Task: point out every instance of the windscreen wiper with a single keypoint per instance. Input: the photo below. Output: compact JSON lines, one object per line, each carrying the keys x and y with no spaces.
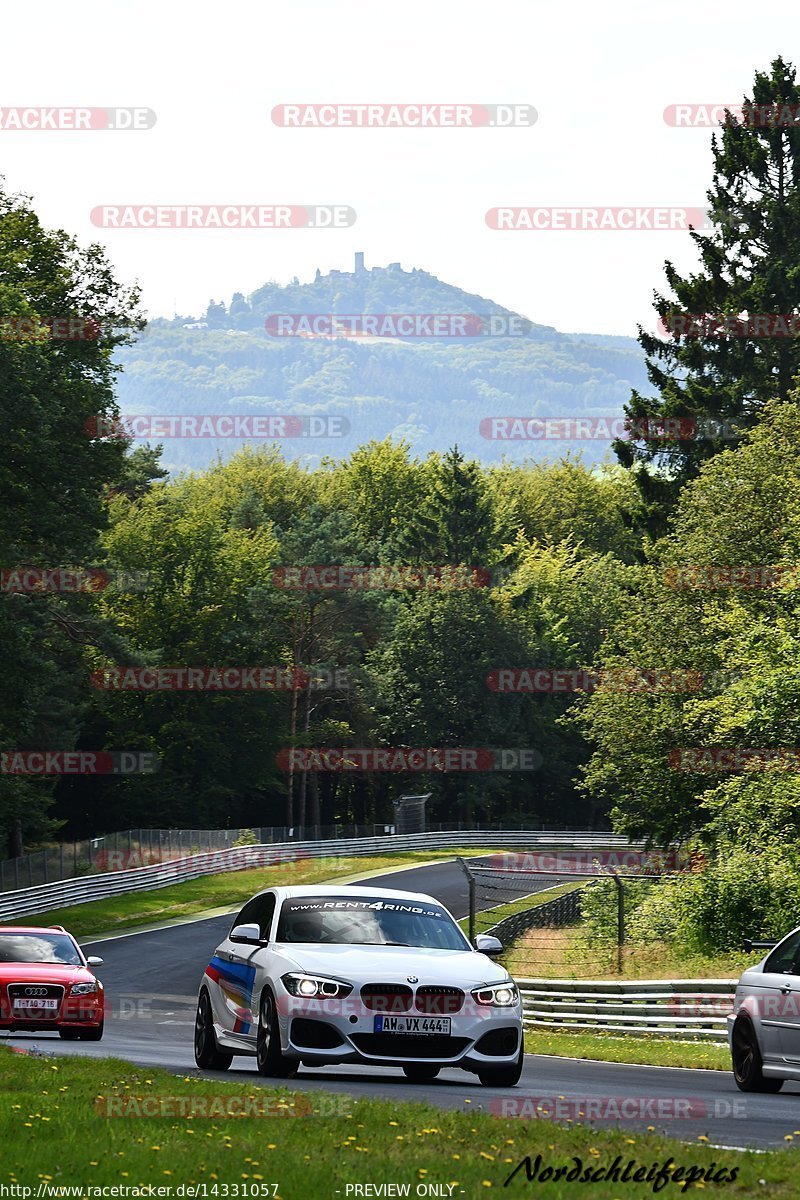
{"x":380,"y":943}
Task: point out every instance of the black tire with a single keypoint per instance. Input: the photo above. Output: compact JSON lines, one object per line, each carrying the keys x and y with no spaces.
{"x":420,"y":1072}
{"x":92,"y":1035}
{"x":69,"y":1035}
{"x":505,"y":1076}
{"x":207,"y":1053}
{"x":747,"y":1061}
{"x":269,"y":1058}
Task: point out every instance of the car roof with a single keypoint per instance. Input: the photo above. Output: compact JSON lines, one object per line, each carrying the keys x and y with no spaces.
{"x":356,"y":889}
{"x":33,"y":929}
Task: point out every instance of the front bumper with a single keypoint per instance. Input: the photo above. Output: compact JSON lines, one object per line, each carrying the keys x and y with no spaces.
{"x":74,"y":1012}
{"x":328,"y":1032}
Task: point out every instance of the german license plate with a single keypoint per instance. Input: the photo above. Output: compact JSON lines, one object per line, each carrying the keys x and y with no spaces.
{"x":385,"y":1024}
{"x":27,"y":1004}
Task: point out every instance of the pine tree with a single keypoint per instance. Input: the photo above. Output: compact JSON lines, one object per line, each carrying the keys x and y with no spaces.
{"x":454,"y":524}
{"x":713,"y":376}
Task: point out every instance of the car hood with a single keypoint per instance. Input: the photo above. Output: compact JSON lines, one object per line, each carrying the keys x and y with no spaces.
{"x":394,"y":964}
{"x":43,"y":973}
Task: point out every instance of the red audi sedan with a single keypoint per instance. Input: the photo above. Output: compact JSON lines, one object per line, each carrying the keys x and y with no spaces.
{"x":46,"y":983}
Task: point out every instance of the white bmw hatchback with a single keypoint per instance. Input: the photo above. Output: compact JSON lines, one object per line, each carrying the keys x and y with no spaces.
{"x":321,"y":975}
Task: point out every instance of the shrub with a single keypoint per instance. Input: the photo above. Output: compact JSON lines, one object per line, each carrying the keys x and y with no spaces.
{"x":247,"y":837}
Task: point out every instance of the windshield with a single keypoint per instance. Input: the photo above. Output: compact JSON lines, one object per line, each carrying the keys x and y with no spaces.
{"x":368,"y":920}
{"x":38,"y":948}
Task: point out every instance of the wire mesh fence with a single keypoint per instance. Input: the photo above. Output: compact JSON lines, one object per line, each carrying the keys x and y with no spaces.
{"x":565,"y":919}
{"x":129,"y":848}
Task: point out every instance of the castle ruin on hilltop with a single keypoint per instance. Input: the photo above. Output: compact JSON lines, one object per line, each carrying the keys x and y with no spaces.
{"x":360,"y":269}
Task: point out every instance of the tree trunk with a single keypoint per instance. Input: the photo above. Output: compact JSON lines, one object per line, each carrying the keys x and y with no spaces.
{"x":292,"y":733}
{"x":15,"y":846}
{"x":301,"y":817}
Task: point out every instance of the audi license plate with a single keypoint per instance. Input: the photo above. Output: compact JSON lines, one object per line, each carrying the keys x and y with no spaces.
{"x":384,"y":1024}
{"x":26,"y":1004}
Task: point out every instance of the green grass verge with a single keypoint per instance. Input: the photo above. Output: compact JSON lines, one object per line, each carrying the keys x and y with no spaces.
{"x":488,"y":917}
{"x":216,"y":891}
{"x":650,"y":1050}
{"x":571,"y":953}
{"x":53,"y":1134}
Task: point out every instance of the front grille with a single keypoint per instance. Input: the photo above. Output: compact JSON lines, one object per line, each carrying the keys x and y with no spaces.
{"x":317,"y":1035}
{"x":387,"y":997}
{"x":32,"y":992}
{"x":405,"y":1046}
{"x":440,"y":1001}
{"x":36,"y":991}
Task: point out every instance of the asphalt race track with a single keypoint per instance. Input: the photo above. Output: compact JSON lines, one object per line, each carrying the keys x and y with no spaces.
{"x":151,"y":981}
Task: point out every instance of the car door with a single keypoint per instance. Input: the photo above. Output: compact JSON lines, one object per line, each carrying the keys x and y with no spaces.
{"x":777,"y":997}
{"x":233,"y":969}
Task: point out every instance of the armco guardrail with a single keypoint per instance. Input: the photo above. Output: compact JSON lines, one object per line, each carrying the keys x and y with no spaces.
{"x":83,"y":889}
{"x":124,"y":849}
{"x":683,"y":1008}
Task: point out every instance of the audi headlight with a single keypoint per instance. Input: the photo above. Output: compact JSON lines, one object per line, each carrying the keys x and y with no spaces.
{"x":83,"y":989}
{"x":498,"y":995}
{"x":315,"y":987}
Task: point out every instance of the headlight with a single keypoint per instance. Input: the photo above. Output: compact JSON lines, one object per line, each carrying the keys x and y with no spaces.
{"x":315,"y":987}
{"x":498,"y":995}
{"x":83,"y":989}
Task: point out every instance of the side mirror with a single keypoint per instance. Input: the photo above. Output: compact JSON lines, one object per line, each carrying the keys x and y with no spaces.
{"x":251,"y":934}
{"x":487,"y":944}
{"x":94,"y":961}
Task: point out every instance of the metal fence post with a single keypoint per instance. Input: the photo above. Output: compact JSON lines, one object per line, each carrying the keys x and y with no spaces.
{"x":471,"y":889}
{"x":620,"y":919}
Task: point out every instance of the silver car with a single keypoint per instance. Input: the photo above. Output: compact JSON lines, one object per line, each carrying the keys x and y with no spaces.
{"x":764,"y":1027}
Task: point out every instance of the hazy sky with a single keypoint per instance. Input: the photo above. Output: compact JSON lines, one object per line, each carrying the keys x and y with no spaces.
{"x":599,"y":76}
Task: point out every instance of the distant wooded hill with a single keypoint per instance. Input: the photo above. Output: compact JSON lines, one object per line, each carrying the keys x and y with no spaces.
{"x":431,"y":391}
